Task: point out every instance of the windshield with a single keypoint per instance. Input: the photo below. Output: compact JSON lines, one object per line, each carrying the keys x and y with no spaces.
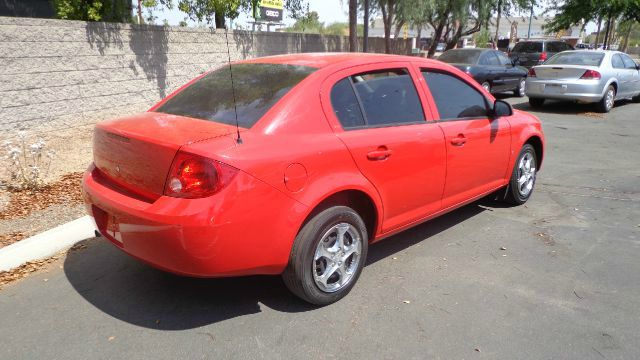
{"x":528,"y":47}
{"x":576,"y":58}
{"x":460,"y":56}
{"x":257,"y":88}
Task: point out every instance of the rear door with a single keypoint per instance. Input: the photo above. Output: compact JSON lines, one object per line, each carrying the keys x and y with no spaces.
{"x":379,"y":115}
{"x":624,"y":76}
{"x":494,"y":69}
{"x":634,"y":74}
{"x":511,"y":74}
{"x":478,"y":147}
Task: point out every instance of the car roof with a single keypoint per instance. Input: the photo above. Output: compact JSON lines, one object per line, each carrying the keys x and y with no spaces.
{"x":321,"y":60}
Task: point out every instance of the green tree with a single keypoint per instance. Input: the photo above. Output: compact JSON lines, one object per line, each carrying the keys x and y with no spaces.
{"x":309,"y":23}
{"x":219,"y":10}
{"x":93,"y":10}
{"x":573,"y":12}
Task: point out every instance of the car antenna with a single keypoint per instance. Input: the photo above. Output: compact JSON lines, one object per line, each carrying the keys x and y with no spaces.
{"x":233,"y":90}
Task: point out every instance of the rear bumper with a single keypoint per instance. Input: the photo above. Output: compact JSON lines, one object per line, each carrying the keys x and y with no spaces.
{"x":578,"y":90}
{"x":247,"y":228}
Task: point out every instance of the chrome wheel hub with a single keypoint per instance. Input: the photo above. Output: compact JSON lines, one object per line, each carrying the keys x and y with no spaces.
{"x":610,"y":98}
{"x":337,"y":257}
{"x":523,"y":85}
{"x":526,"y":174}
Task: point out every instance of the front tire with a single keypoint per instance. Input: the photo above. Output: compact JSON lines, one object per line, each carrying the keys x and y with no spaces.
{"x":523,"y":177}
{"x":606,"y":103}
{"x":520,"y":91}
{"x":327,"y":256}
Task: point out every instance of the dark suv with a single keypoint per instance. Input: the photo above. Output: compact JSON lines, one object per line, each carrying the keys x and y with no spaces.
{"x":534,"y":52}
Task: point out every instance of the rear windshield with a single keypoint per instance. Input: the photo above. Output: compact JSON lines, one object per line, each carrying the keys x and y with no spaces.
{"x":460,"y":56}
{"x":257,"y":88}
{"x":528,"y":47}
{"x":576,"y":58}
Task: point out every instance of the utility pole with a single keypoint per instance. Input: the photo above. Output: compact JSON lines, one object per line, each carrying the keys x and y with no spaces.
{"x":365,"y":35}
{"x":530,"y":19}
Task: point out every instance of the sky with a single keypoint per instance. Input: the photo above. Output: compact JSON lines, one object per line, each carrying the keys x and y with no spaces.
{"x":330,"y":11}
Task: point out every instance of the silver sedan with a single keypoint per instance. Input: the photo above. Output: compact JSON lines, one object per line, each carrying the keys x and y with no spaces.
{"x":600,"y":77}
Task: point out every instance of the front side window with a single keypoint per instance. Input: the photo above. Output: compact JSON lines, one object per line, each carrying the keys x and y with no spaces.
{"x":504,"y":60}
{"x":488,"y":58}
{"x":256,"y":88}
{"x":454,"y":98}
{"x":628,"y":62}
{"x":387,"y":97}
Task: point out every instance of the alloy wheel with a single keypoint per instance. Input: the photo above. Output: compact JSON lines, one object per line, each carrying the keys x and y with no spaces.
{"x":337,"y":257}
{"x":526,"y":174}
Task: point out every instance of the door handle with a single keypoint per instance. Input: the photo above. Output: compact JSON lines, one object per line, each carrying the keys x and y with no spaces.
{"x":459,"y":140}
{"x":381,"y":154}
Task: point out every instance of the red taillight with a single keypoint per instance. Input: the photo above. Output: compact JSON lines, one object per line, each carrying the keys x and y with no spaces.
{"x":532,"y":73}
{"x":591,"y":75}
{"x":193,"y":176}
{"x":543,"y":57}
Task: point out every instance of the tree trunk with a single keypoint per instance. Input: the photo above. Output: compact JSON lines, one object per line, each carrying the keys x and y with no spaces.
{"x":437,"y":33}
{"x":387,"y":19}
{"x":365,"y":35}
{"x":353,"y":25}
{"x":139,"y":11}
{"x":599,"y":28}
{"x":606,"y":34}
{"x":220,"y":22}
{"x":419,"y":43}
{"x":625,"y":45}
{"x":496,"y":37}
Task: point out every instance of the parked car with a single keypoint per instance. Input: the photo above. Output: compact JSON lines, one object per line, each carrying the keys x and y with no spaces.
{"x":598,"y":76}
{"x":583,"y":46}
{"x":332,"y":152}
{"x":535,"y":52}
{"x":490,"y":68}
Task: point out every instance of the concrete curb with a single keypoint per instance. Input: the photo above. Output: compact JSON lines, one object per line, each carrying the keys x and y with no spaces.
{"x":46,"y":244}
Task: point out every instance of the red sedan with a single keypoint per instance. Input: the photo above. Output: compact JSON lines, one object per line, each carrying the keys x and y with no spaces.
{"x":295,"y":164}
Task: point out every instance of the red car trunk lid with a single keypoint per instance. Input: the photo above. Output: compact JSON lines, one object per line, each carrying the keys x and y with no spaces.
{"x":136,"y":152}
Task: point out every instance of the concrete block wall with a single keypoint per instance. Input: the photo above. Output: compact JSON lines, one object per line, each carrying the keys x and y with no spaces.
{"x":58,"y":77}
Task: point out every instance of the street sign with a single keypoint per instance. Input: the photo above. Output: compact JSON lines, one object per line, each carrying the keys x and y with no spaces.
{"x":269,"y":10}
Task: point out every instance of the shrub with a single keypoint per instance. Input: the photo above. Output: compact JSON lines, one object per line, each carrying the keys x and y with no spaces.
{"x":27,"y":162}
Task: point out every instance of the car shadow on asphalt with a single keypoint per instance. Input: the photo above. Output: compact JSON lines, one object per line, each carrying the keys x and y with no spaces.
{"x":566,"y":107}
{"x":138,"y":294}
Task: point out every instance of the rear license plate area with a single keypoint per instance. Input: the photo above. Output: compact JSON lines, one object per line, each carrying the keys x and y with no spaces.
{"x":108,"y":225}
{"x":555,"y":88}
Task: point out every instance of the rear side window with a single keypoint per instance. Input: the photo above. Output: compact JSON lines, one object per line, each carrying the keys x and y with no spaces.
{"x":528,"y":47}
{"x":588,"y":58}
{"x":504,"y":60}
{"x":454,"y":98}
{"x":387,"y":97}
{"x":345,"y":104}
{"x":256,"y":88}
{"x":616,"y":61}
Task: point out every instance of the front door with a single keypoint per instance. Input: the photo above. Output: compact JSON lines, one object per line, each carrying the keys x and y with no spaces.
{"x":384,"y":127}
{"x":478,"y":147}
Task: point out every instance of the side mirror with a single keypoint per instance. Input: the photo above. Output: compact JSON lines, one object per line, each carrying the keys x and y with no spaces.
{"x":502,"y":108}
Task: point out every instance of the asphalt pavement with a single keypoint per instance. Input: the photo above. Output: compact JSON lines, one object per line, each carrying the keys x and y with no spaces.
{"x":566,"y":287}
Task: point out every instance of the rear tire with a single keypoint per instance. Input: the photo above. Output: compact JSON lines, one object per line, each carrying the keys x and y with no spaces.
{"x":523,"y":177}
{"x":536,"y":102}
{"x":606,"y":103}
{"x":320,"y":271}
{"x":520,"y":91}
